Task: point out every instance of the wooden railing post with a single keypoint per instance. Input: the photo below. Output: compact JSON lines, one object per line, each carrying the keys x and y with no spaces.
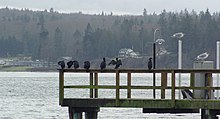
{"x":173,"y":88}
{"x":192,"y":82}
{"x":96,"y":84}
{"x":61,"y":86}
{"x":209,"y":84}
{"x":117,"y":87}
{"x":91,"y":84}
{"x":129,"y":85}
{"x":163,"y":84}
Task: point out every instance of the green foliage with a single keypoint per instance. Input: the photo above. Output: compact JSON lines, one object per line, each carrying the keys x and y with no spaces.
{"x":10,"y":47}
{"x":51,"y":35}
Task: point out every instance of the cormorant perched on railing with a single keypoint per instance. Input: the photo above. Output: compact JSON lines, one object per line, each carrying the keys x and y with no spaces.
{"x":113,"y":62}
{"x":87,"y":65}
{"x":103,"y":64}
{"x":118,"y":63}
{"x":150,"y":63}
{"x":62,"y":64}
{"x":75,"y":64}
{"x":69,"y":64}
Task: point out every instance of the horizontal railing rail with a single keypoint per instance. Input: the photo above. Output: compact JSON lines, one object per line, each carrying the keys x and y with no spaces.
{"x":142,"y":70}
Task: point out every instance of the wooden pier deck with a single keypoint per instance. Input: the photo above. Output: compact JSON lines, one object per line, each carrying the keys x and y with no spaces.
{"x":91,"y":105}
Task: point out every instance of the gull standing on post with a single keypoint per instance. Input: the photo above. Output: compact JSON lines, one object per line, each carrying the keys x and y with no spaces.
{"x":177,"y":35}
{"x":202,"y":56}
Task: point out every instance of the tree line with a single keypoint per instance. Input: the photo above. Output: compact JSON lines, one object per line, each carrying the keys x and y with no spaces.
{"x":50,"y":35}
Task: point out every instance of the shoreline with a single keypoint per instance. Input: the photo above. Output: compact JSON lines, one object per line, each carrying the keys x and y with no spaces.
{"x":27,"y":69}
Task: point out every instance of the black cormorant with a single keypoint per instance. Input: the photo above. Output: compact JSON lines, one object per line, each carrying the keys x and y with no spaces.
{"x":62,"y":64}
{"x":87,"y":65}
{"x":150,"y":63}
{"x":118,"y":63}
{"x":75,"y":64}
{"x":69,"y":64}
{"x":103,"y":64}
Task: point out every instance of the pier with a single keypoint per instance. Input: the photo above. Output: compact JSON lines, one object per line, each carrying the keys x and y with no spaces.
{"x":91,"y":105}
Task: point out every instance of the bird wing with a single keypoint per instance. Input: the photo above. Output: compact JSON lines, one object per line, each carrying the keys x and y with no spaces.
{"x":113,"y":62}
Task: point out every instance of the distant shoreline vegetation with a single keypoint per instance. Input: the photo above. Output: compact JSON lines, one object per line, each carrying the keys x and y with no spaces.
{"x":27,"y":69}
{"x":49,"y":35}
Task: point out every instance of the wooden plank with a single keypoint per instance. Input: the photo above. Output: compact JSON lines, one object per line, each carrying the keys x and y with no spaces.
{"x":143,"y":70}
{"x":163,"y":84}
{"x":91,"y":84}
{"x":61,"y":87}
{"x":173,"y":89}
{"x":169,"y":110}
{"x":209,"y":83}
{"x":154,"y":84}
{"x":129,"y":85}
{"x":93,"y":87}
{"x":142,"y":103}
{"x":121,"y":87}
{"x":117,"y":87}
{"x":137,"y":87}
{"x":96,"y":84}
{"x":192,"y":82}
{"x":111,"y":102}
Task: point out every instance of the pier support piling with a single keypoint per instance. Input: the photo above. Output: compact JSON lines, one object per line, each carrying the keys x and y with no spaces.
{"x":209,"y":114}
{"x":91,"y":115}
{"x":74,"y":114}
{"x":90,"y":112}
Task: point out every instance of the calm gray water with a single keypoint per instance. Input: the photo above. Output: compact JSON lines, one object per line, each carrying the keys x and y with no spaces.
{"x":31,"y":95}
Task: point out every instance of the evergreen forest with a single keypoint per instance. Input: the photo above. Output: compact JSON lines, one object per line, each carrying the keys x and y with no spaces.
{"x":50,"y":35}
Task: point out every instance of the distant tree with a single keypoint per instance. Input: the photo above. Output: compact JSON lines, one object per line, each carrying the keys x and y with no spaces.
{"x":3,"y":18}
{"x":26,"y":18}
{"x":141,"y":40}
{"x":102,"y":13}
{"x":25,"y":38}
{"x":51,"y":10}
{"x":41,"y":21}
{"x":78,"y":48}
{"x":10,"y":46}
{"x":111,"y":14}
{"x":125,"y":41}
{"x":163,"y":22}
{"x":77,"y":35}
{"x":42,"y":52}
{"x":88,"y":42}
{"x":145,"y":12}
{"x":58,"y":46}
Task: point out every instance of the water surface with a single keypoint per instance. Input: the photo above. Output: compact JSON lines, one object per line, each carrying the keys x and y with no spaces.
{"x":34,"y":95}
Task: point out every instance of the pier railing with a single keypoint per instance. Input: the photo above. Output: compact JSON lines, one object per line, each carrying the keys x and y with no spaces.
{"x":94,"y":86}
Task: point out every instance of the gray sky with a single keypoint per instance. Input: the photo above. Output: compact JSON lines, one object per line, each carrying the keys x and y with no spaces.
{"x":116,"y":6}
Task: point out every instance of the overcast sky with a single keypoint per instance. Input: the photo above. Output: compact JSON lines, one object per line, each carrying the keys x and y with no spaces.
{"x":116,"y":6}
